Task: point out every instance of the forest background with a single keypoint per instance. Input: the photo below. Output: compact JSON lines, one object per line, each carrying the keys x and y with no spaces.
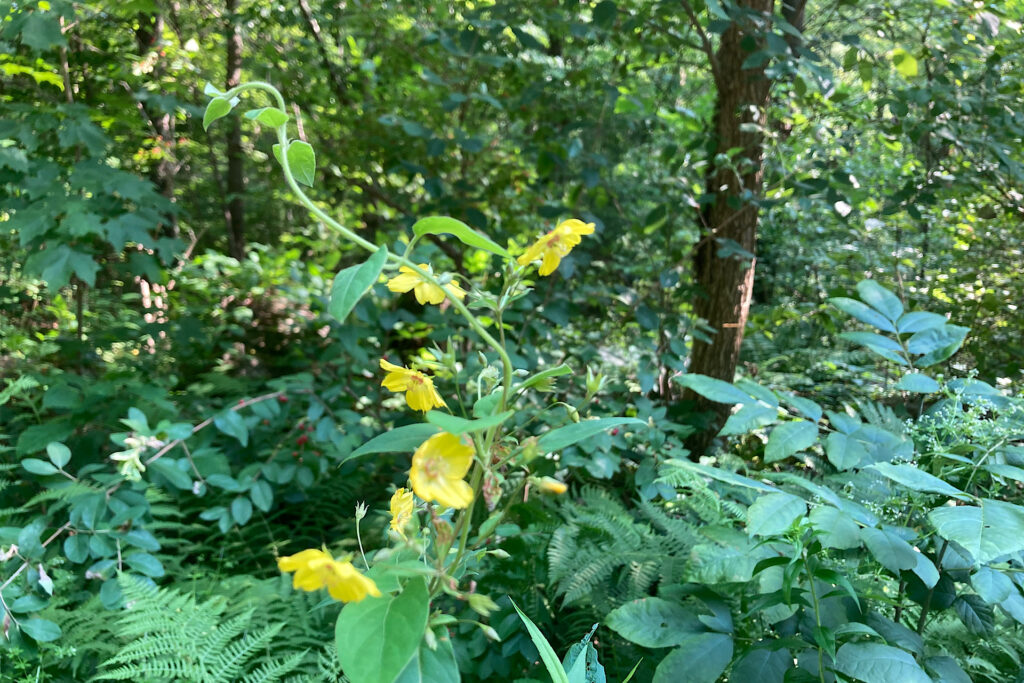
{"x":746,"y":165}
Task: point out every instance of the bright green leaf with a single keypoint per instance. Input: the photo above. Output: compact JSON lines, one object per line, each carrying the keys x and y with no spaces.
{"x":352,"y":283}
{"x":218,"y":108}
{"x":440,"y":225}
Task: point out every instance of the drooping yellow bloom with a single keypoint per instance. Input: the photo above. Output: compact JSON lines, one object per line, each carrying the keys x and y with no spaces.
{"x":439,"y":466}
{"x":426,"y":292}
{"x":554,"y":246}
{"x":419,"y":389}
{"x":401,"y":510}
{"x":315,"y":569}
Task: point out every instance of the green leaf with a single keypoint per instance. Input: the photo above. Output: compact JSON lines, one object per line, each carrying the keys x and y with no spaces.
{"x":218,"y":108}
{"x":76,"y":548}
{"x":807,"y":407}
{"x":140,"y":538}
{"x":946,"y":670}
{"x":38,"y":466}
{"x":241,"y":510}
{"x":917,"y":383}
{"x":789,"y":438}
{"x":41,"y":630}
{"x":456,"y":425}
{"x":378,"y":637}
{"x":876,"y":663}
{"x":169,"y":469}
{"x":917,"y":480}
{"x":992,"y":585}
{"x":232,"y":424}
{"x":58,"y":453}
{"x":844,"y":451}
{"x":557,"y":371}
{"x":210,"y":90}
{"x":714,"y":389}
{"x":270,"y":116}
{"x":562,"y":437}
{"x":891,"y":551}
{"x":301,"y":161}
{"x":919,"y":320}
{"x":547,"y":655}
{"x":724,"y":476}
{"x":988,"y":531}
{"x":262,"y":495}
{"x":144,"y":563}
{"x":863,"y":313}
{"x":404,"y":439}
{"x":880,"y":299}
{"x":432,"y":666}
{"x":352,"y":283}
{"x":905,"y":64}
{"x":762,"y":665}
{"x":748,"y":418}
{"x":653,"y":622}
{"x":56,"y":265}
{"x":28,"y":603}
{"x":871,"y":340}
{"x":774,"y":514}
{"x":937,"y":343}
{"x":441,"y":225}
{"x":978,"y":617}
{"x":700,"y":658}
{"x":835,"y":528}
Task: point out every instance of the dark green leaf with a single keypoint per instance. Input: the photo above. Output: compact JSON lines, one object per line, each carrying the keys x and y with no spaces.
{"x":404,"y":439}
{"x":41,"y":630}
{"x":653,"y":622}
{"x":700,"y":658}
{"x":714,"y":389}
{"x":560,"y":438}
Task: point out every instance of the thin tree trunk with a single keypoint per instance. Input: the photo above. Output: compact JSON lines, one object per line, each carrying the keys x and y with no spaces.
{"x":235,"y":208}
{"x":726,"y":281}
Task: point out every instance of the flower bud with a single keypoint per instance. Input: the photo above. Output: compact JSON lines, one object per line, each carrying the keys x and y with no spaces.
{"x":490,"y":633}
{"x":499,"y":553}
{"x":430,"y":639}
{"x":481,"y":604}
{"x":360,"y":511}
{"x":550,"y":485}
{"x":595,"y":382}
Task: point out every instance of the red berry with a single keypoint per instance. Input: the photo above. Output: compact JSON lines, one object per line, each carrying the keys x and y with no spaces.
{"x":282,"y":399}
{"x":615,"y":431}
{"x":301,"y":440}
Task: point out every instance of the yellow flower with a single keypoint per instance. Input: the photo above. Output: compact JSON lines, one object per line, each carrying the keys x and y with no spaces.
{"x":426,"y":292}
{"x":554,"y":246}
{"x":549,"y":485}
{"x":419,"y":389}
{"x":438,"y":468}
{"x":401,"y":510}
{"x":315,"y":569}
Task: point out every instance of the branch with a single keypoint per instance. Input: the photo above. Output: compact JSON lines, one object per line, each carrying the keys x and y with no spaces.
{"x":705,"y":41}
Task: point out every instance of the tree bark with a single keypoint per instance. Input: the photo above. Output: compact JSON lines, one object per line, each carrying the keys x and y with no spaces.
{"x":234,"y":210}
{"x":726,"y":280}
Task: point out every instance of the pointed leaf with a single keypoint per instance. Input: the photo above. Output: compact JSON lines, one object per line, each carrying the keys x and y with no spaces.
{"x":653,"y":622}
{"x":772,"y":515}
{"x":714,"y":389}
{"x":352,"y":283}
{"x":404,"y":439}
{"x":460,"y":425}
{"x":862,"y":312}
{"x":876,"y":663}
{"x":560,"y":438}
{"x":789,"y":438}
{"x":442,"y":225}
{"x":880,"y":299}
{"x":218,"y":108}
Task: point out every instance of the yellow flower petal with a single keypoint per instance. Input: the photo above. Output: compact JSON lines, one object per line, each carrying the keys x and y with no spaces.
{"x":315,"y":569}
{"x":438,"y":468}
{"x":420,"y":392}
{"x":555,"y":245}
{"x":426,"y":292}
{"x":401,"y":510}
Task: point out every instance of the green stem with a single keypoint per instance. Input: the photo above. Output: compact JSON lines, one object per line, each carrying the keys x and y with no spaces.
{"x":817,"y":614}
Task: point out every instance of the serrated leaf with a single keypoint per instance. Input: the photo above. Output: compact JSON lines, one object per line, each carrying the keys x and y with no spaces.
{"x":218,"y":108}
{"x":352,"y":283}
{"x":789,"y":438}
{"x":978,"y":617}
{"x":443,"y":225}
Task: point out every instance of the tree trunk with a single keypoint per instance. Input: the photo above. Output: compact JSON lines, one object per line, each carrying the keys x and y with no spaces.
{"x":724,"y":274}
{"x":234,"y":210}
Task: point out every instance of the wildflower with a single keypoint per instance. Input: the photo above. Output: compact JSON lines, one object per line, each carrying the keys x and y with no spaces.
{"x":426,"y":292}
{"x":549,"y":485}
{"x":131,"y":467}
{"x":401,"y":510}
{"x":315,"y":569}
{"x":438,"y":468}
{"x":554,"y":246}
{"x":419,"y":389}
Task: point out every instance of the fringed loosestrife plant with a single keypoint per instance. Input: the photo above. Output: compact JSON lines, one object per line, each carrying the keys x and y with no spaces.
{"x":437,"y":529}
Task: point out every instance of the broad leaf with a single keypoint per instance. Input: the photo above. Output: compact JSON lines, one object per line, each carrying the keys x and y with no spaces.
{"x":891,"y":551}
{"x":653,"y":622}
{"x":992,"y":585}
{"x":41,"y":630}
{"x":789,"y":438}
{"x":58,"y":453}
{"x":748,"y":418}
{"x":270,"y":116}
{"x":714,"y":389}
{"x":453,"y":424}
{"x":560,"y":438}
{"x":700,"y":658}
{"x":844,"y":451}
{"x":404,"y":439}
{"x":876,"y":663}
{"x":863,"y":313}
{"x":835,"y":528}
{"x":432,"y":665}
{"x":917,"y":383}
{"x":762,"y":665}
{"x":376,"y":638}
{"x":918,"y":480}
{"x":218,"y":108}
{"x":988,"y":531}
{"x":301,"y":161}
{"x":936,"y":343}
{"x":919,"y":320}
{"x":975,"y":613}
{"x":440,"y":225}
{"x":772,"y":515}
{"x":352,"y":283}
{"x":880,"y":299}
